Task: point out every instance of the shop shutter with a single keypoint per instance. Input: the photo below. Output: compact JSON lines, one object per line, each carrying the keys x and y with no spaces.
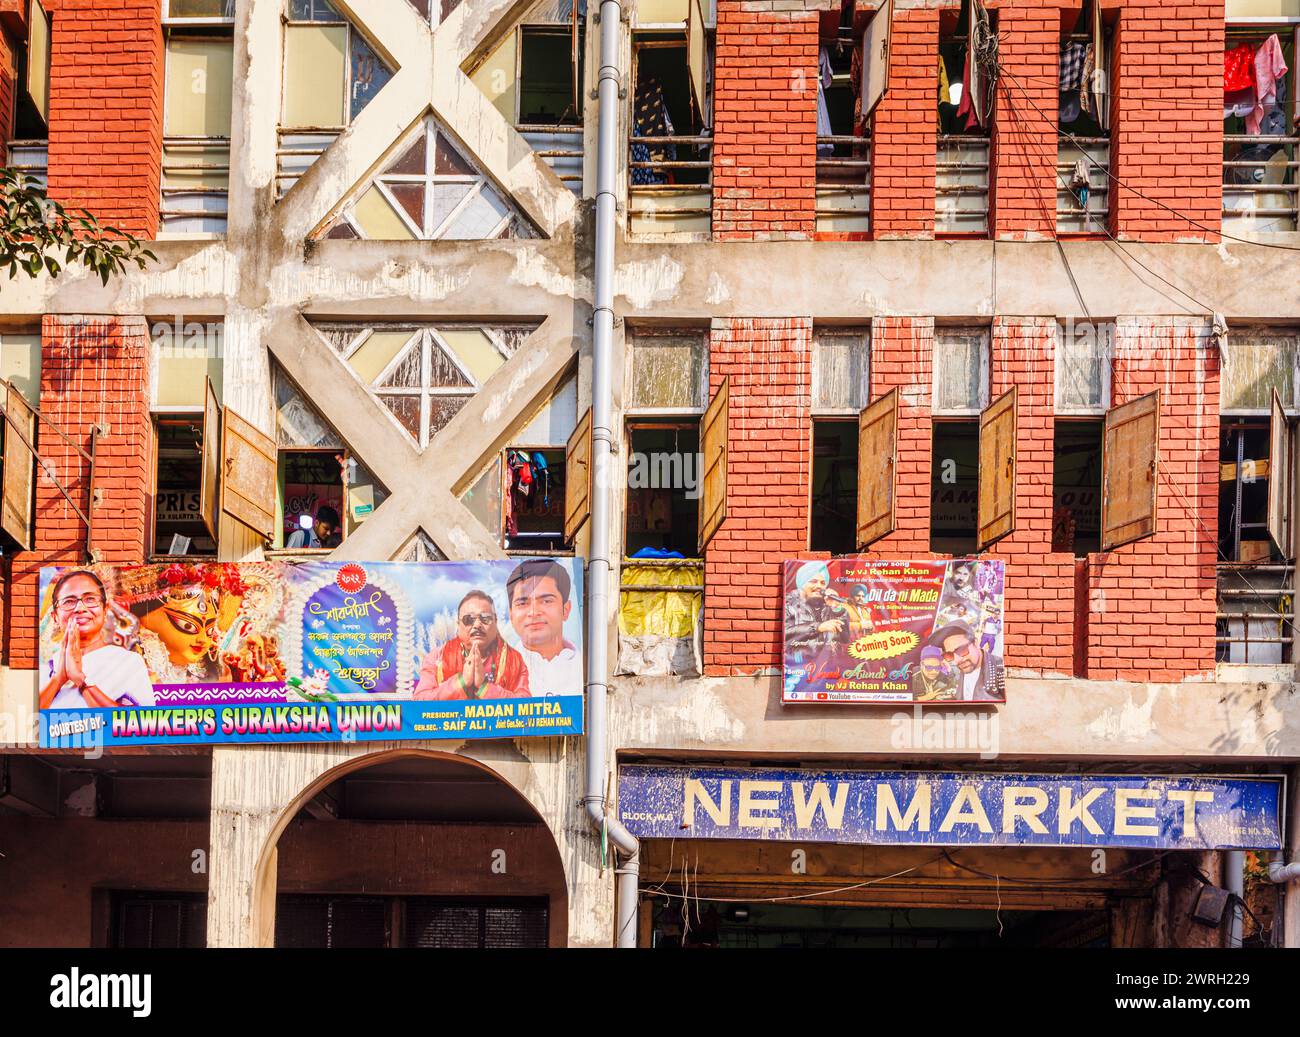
{"x":997,"y":472}
{"x":696,"y":49}
{"x":1281,"y":473}
{"x":158,"y":921}
{"x":248,"y":474}
{"x":1128,"y":481}
{"x":319,"y":923}
{"x":19,"y":467}
{"x":475,"y":925}
{"x":713,"y":460}
{"x":875,"y":58}
{"x":210,"y":479}
{"x":877,"y":468}
{"x":577,"y":477}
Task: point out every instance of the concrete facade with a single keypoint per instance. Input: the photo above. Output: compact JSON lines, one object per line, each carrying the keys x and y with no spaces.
{"x":1154,"y":699}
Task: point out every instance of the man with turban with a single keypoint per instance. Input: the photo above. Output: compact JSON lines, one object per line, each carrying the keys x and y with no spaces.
{"x":812,"y":623}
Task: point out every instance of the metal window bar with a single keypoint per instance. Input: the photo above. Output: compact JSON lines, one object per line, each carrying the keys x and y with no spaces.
{"x":31,"y":157}
{"x":675,"y":204}
{"x":1260,"y":190}
{"x":560,"y":147}
{"x":298,"y":149}
{"x":1255,"y":618}
{"x":961,"y":204}
{"x":843,"y":184}
{"x":1071,"y":216}
{"x":200,"y":206}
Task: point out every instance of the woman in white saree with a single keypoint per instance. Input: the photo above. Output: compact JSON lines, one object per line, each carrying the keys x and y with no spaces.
{"x":88,"y":670}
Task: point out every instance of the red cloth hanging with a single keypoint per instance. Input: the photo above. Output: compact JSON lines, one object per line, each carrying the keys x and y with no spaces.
{"x":1238,"y":68}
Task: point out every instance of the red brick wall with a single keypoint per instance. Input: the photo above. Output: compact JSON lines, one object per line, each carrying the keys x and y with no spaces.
{"x":764,"y":122}
{"x":106,"y":92}
{"x":1039,"y":606}
{"x":902,"y":350}
{"x":1167,"y":121}
{"x":1152,"y":603}
{"x":93,"y":370}
{"x":903,"y":131}
{"x":1023,"y":177}
{"x":769,"y":445}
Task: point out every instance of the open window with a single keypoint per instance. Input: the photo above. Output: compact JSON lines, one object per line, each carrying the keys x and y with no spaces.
{"x":961,"y":392}
{"x":526,"y":495}
{"x":1259,"y":394}
{"x":187,"y":436}
{"x":964,"y":115}
{"x":669,"y":167}
{"x":1083,"y":156}
{"x":31,"y":100}
{"x":852,"y":76}
{"x":841,"y":379}
{"x":1260,"y":186}
{"x":534,"y":77}
{"x":321,"y":493}
{"x":198,"y":81}
{"x":331,"y":72}
{"x":1082,"y":374}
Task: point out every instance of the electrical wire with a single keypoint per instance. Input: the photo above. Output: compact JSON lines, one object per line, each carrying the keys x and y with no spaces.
{"x":1204,"y":228}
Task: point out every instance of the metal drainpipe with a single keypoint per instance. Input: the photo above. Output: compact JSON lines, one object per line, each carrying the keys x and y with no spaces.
{"x":602,"y":393}
{"x":1286,"y":874}
{"x":1234,"y":880}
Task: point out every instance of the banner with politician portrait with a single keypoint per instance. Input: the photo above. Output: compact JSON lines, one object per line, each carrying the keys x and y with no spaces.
{"x":214,"y":652}
{"x":867,"y":630}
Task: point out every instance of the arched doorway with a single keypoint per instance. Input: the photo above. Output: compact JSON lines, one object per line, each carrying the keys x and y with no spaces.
{"x":416,"y":849}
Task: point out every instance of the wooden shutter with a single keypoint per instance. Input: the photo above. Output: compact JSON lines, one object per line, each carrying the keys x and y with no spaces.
{"x":877,"y":468}
{"x":248,"y":474}
{"x":1128,"y":479}
{"x":575,"y":51}
{"x":1100,"y":86}
{"x":713,"y":460}
{"x":19,"y":467}
{"x":973,"y":12}
{"x":577,"y":477}
{"x":696,"y":48}
{"x":875,"y":58}
{"x":997,"y":474}
{"x":210,"y":479}
{"x":38,"y":58}
{"x":1281,"y":469}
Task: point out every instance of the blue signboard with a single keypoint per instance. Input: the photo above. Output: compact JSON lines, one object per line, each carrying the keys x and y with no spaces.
{"x":952,"y":808}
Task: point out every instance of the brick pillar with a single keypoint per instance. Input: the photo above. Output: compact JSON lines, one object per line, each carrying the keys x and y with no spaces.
{"x":1167,"y":121}
{"x":902,"y":350}
{"x":106,"y":96}
{"x":903,"y":130}
{"x":1023,"y":176}
{"x":764,"y":122}
{"x":93,"y":370}
{"x":769,"y":445}
{"x":1039,"y":605}
{"x":1152,"y":602}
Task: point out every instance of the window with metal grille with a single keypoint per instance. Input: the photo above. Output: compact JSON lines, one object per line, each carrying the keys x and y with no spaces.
{"x":158,"y":920}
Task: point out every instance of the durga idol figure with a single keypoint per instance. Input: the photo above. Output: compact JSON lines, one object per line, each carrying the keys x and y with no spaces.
{"x":184,"y":610}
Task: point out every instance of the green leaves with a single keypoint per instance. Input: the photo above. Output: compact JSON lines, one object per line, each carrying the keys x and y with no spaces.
{"x":35,"y":229}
